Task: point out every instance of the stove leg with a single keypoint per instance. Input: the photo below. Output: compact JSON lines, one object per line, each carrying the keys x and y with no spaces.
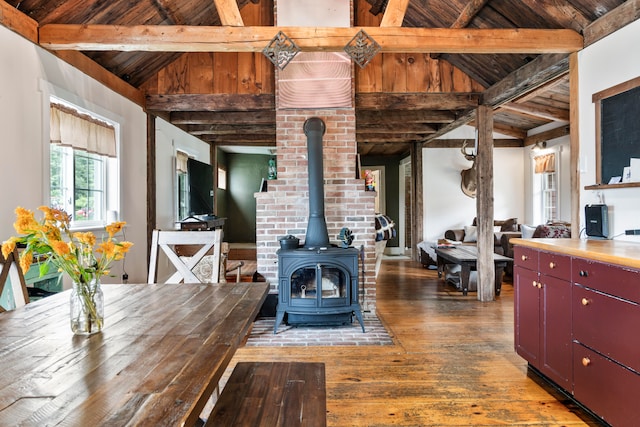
{"x":279,"y":317}
{"x":359,"y":316}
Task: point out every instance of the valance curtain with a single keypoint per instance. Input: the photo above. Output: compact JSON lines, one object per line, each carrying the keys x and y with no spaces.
{"x":181,"y":161}
{"x":545,"y":163}
{"x":71,"y":128}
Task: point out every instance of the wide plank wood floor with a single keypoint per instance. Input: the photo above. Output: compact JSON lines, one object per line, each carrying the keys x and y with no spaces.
{"x":453,"y":362}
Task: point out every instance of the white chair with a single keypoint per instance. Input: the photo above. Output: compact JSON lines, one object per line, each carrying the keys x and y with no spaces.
{"x":207,"y":257}
{"x":18,"y":290}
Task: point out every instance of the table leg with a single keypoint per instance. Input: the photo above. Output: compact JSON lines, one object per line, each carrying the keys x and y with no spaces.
{"x":499,"y":270}
{"x":440,"y":263}
{"x":464,"y":278}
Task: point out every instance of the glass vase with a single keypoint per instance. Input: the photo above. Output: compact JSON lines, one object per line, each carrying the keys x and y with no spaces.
{"x":87,"y":307}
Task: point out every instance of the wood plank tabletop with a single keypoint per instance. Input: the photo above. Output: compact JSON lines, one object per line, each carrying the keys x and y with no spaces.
{"x":466,"y":253}
{"x":159,"y":357}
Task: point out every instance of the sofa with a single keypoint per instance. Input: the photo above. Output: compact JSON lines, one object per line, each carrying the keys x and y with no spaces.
{"x":468,"y":234}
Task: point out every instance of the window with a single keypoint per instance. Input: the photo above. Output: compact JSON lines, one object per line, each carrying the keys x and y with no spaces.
{"x":182,"y":178}
{"x":83,"y":166}
{"x":545,"y":187}
{"x":222,"y":178}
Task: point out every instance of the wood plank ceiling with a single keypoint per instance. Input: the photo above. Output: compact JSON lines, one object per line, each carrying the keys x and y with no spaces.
{"x":408,"y":94}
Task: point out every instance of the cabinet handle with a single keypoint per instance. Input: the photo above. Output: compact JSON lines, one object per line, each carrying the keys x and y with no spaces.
{"x":586,"y":361}
{"x":552,"y":264}
{"x":524,"y":257}
{"x":583,"y":273}
{"x":585,"y":301}
{"x":535,"y":285}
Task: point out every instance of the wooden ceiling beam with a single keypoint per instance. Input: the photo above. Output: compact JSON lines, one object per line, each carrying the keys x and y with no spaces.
{"x":230,"y":129}
{"x":626,"y":13}
{"x":262,"y":117}
{"x":394,"y":117}
{"x":210,"y":102}
{"x":179,"y":38}
{"x":542,"y":111}
{"x":457,"y":143}
{"x":229,"y":13}
{"x":416,"y":101}
{"x":468,"y":13}
{"x":18,"y":22}
{"x":547,"y":135}
{"x":394,"y":13}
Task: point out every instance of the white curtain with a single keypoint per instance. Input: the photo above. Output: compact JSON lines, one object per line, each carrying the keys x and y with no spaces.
{"x":71,"y":128}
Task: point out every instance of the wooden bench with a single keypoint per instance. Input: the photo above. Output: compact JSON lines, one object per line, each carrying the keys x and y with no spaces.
{"x":272,"y":394}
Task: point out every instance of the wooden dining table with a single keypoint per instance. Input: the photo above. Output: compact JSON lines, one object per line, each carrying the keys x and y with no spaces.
{"x":158,"y":359}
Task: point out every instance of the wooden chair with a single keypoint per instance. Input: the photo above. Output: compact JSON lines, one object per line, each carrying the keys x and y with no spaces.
{"x":11,"y":270}
{"x":209,"y":244}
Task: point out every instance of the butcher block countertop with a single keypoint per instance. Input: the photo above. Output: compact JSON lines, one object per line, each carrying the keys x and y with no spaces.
{"x":609,"y":251}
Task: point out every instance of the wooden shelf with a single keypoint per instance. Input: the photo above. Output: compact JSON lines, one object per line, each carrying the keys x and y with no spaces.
{"x":608,"y":186}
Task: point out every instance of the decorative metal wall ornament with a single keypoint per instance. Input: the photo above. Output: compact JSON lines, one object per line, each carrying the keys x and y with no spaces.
{"x":362,"y":48}
{"x":280,"y":50}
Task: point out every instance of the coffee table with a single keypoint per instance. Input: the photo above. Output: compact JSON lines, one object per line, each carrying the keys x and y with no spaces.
{"x":467,"y":257}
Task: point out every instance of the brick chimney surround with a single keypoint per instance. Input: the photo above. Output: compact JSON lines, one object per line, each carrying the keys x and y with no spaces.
{"x":284,"y":208}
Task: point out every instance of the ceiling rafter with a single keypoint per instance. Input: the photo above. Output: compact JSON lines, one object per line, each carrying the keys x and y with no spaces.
{"x":229,"y":13}
{"x":394,"y":13}
{"x":179,"y":38}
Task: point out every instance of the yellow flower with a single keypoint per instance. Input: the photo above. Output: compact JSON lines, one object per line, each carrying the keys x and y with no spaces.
{"x":59,"y":247}
{"x":26,"y":222}
{"x":121,"y":249}
{"x":108,"y":249}
{"x":8,"y":247}
{"x":70,"y":252}
{"x":87,"y":238}
{"x":115,"y":228}
{"x":25,"y":261}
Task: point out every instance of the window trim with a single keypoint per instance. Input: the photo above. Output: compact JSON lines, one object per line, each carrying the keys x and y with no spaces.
{"x":113,"y":208}
{"x":536,"y":190}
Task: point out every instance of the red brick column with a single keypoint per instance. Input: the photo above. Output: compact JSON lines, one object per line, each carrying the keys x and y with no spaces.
{"x":284,"y":208}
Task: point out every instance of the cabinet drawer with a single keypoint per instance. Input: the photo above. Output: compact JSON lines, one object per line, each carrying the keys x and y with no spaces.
{"x":555,"y":265}
{"x":607,"y":324}
{"x":616,"y":280}
{"x":525,"y":257}
{"x":606,"y":388}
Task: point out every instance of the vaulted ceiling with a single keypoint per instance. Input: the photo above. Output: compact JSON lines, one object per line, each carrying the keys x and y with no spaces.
{"x":486,"y":50}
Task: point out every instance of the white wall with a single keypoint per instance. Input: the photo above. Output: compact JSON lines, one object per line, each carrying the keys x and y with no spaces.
{"x":446,"y":207}
{"x":27,"y":73}
{"x":169,"y":139}
{"x":604,"y":64}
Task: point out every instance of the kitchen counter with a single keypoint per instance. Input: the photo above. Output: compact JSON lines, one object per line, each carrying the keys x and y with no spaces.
{"x":610,"y":251}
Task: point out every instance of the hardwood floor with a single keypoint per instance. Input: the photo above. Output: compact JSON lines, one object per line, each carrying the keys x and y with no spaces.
{"x":453,"y":362}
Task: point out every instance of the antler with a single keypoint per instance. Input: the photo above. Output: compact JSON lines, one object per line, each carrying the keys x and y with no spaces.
{"x":468,"y":156}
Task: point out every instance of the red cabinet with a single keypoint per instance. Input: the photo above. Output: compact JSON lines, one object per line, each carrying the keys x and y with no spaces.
{"x":576,"y":321}
{"x":543,"y":312}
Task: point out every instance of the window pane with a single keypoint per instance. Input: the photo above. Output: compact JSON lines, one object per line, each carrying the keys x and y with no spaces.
{"x":183,"y":196}
{"x":89,"y":188}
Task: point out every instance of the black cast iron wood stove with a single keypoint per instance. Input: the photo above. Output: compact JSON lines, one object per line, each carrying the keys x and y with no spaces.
{"x":318,"y":283}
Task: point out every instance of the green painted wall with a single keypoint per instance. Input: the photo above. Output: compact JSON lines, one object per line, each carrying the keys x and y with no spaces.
{"x":238,"y":204}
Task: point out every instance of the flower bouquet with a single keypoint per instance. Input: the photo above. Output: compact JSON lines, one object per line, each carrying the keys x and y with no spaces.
{"x":73,"y":253}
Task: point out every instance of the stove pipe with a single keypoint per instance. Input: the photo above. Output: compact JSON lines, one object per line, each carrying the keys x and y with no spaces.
{"x":317,"y":234}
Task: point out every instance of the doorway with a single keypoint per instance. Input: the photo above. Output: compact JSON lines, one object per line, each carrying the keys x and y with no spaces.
{"x":405,"y":220}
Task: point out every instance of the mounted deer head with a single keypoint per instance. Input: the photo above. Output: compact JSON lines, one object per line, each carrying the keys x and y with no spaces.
{"x":468,"y":183}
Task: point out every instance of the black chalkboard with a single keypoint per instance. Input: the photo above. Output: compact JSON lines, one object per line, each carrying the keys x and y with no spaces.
{"x":620,"y":132}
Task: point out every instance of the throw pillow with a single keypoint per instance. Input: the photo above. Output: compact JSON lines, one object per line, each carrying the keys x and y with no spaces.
{"x":553,"y":231}
{"x":470,"y":233}
{"x":527,"y":231}
{"x":509,"y":225}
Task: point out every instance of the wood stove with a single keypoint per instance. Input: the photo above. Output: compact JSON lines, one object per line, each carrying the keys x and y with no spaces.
{"x":317,"y":283}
